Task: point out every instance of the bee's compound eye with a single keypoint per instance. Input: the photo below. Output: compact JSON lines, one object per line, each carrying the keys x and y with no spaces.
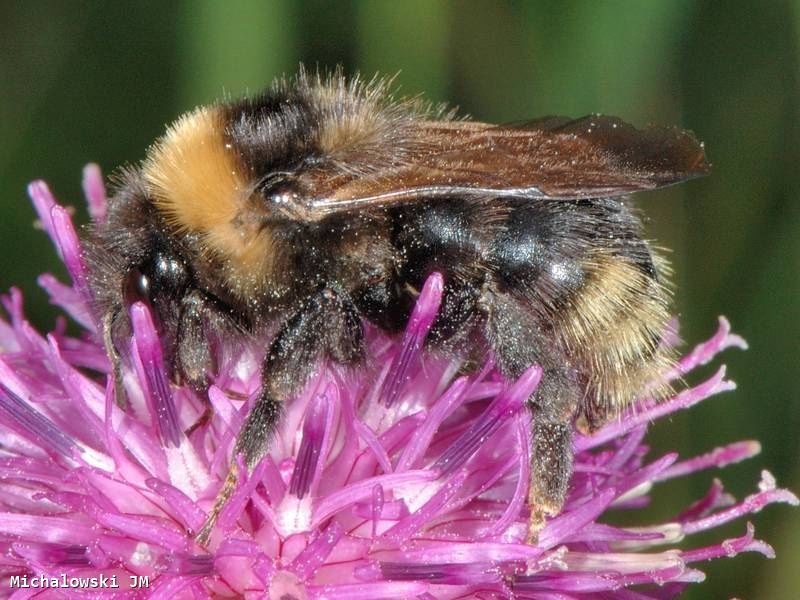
{"x":282,"y":194}
{"x":143,"y":284}
{"x":279,"y":189}
{"x":137,"y":286}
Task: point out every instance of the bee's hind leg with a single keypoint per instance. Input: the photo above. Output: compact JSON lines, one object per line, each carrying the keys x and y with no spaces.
{"x":553,"y":407}
{"x":519,"y":342}
{"x":327,"y":324}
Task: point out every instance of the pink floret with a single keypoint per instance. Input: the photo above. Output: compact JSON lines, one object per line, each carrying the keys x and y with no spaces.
{"x":400,"y":479}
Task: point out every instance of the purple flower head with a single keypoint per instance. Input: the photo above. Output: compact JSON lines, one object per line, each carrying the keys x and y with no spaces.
{"x":402,"y":479}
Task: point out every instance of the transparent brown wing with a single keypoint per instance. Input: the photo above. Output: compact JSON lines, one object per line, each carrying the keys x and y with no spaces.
{"x":554,"y":157}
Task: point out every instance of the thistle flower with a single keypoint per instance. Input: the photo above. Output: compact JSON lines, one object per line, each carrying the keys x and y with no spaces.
{"x":402,"y":479}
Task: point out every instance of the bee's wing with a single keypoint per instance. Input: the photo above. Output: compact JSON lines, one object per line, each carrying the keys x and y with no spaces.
{"x":555,"y":157}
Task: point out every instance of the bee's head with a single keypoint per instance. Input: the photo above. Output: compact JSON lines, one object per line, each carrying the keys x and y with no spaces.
{"x":206,"y":182}
{"x":231,"y":177}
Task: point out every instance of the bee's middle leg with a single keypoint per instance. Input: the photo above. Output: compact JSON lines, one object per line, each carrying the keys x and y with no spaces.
{"x":326,"y":325}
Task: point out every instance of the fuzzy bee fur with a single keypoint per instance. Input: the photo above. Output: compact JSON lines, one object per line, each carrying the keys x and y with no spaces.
{"x":324,"y":203}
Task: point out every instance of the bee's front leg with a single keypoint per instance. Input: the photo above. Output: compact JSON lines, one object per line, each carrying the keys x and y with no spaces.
{"x":327,"y":324}
{"x":193,"y":359}
{"x":108,"y":325}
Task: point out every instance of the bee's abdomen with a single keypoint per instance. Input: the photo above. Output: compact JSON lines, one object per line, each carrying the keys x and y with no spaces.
{"x":536,"y":257}
{"x":577,"y":275}
{"x":588,"y":279}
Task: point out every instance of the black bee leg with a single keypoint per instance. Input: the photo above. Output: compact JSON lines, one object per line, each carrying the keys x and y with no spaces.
{"x":553,"y":407}
{"x":518,"y":342}
{"x":113,"y":355}
{"x":193,"y":359}
{"x":327,"y":325}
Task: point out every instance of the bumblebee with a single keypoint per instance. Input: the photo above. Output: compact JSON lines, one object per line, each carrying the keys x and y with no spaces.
{"x":324,"y":203}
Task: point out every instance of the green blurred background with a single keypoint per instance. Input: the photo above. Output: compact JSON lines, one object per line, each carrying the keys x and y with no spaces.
{"x":94,"y":81}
